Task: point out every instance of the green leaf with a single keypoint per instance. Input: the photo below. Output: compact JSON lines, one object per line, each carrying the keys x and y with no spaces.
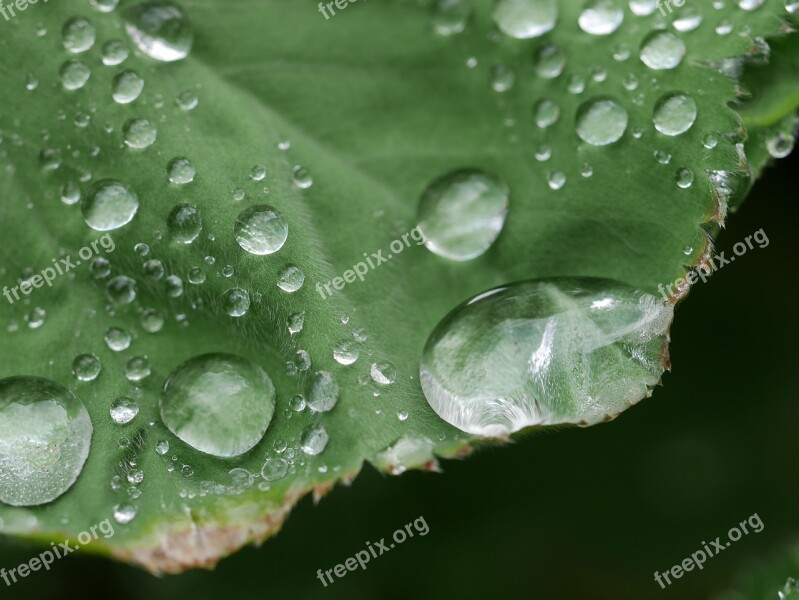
{"x":376,"y":105}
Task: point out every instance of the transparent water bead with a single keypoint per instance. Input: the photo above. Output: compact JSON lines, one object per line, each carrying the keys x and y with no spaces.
{"x":139,"y":133}
{"x":601,"y":121}
{"x":323,"y":392}
{"x":675,"y":113}
{"x":220,"y":404}
{"x":450,"y":16}
{"x":549,"y":61}
{"x":184,"y":223}
{"x":522,"y":19}
{"x":78,"y":35}
{"x":123,"y":410}
{"x":109,"y":205}
{"x":345,"y":352}
{"x":462,"y":213}
{"x":117,"y":339}
{"x":546,"y":113}
{"x":290,"y":278}
{"x":74,"y":75}
{"x":407,"y":452}
{"x":780,"y":145}
{"x":314,"y":440}
{"x":159,"y":29}
{"x":261,"y":230}
{"x":545,"y":352}
{"x":126,"y":87}
{"x":643,"y":8}
{"x":662,"y":50}
{"x":601,"y":17}
{"x":124,"y":513}
{"x":86,"y":367}
{"x":688,"y":19}
{"x":45,"y":435}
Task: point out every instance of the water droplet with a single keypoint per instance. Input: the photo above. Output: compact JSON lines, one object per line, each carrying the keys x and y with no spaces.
{"x":790,"y":590}
{"x":74,"y":75}
{"x":45,"y":434}
{"x":274,"y":469}
{"x":675,"y":113}
{"x":124,"y":513}
{"x":724,"y":27}
{"x":586,"y":170}
{"x":662,"y":50}
{"x":152,"y":321}
{"x":462,"y":213}
{"x":383,"y":373}
{"x":290,"y":278}
{"x":314,"y":440}
{"x":153,"y":269}
{"x":643,"y":8}
{"x":187,"y":100}
{"x":601,"y":121}
{"x":662,"y":157}
{"x":295,"y":323}
{"x":261,"y":230}
{"x":302,"y":177}
{"x":123,"y":410}
{"x":104,"y":5}
{"x":86,"y":367}
{"x":220,"y":404}
{"x":601,"y":17}
{"x":688,"y":19}
{"x":685,"y":178}
{"x":522,"y":19}
{"x":323,"y":392}
{"x":791,"y":6}
{"x":556,"y":179}
{"x":408,"y":451}
{"x":345,"y":352}
{"x":126,"y":87}
{"x":78,"y":35}
{"x":117,"y":339}
{"x":258,"y":173}
{"x":543,"y":153}
{"x":540,"y":353}
{"x":450,"y":16}
{"x":139,"y":133}
{"x":402,"y":415}
{"x":236,"y":302}
{"x":196,"y":276}
{"x":549,"y":61}
{"x":576,"y":84}
{"x":70,"y":193}
{"x":159,"y":29}
{"x":780,"y":145}
{"x":162,"y":447}
{"x":502,"y":78}
{"x":546,"y":112}
{"x":137,"y":368}
{"x":100,"y":267}
{"x":180,"y":170}
{"x":750,"y":4}
{"x":184,"y":223}
{"x":709,"y":141}
{"x":31,"y":83}
{"x":36,"y":317}
{"x":109,"y":205}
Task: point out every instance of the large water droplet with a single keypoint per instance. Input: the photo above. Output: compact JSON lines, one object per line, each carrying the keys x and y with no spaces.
{"x":109,"y":205}
{"x":524,"y":19}
{"x":601,"y":17}
{"x":462,"y":213}
{"x":78,"y":35}
{"x":675,"y":113}
{"x":545,"y":352}
{"x":601,"y":121}
{"x":159,"y":29}
{"x":450,"y":16}
{"x":261,"y":230}
{"x":220,"y":404}
{"x":45,"y":435}
{"x":662,"y":50}
{"x":323,"y":392}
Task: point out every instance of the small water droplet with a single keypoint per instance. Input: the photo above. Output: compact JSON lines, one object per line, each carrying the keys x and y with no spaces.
{"x":124,"y":513}
{"x":187,"y":100}
{"x":86,"y":367}
{"x":139,"y":133}
{"x":74,"y":75}
{"x":675,"y":113}
{"x":184,"y":223}
{"x":685,"y":178}
{"x":159,"y":29}
{"x":302,"y":177}
{"x":546,"y":112}
{"x":688,"y":19}
{"x":261,"y":230}
{"x":162,"y":447}
{"x":780,"y":145}
{"x":290,"y":278}
{"x":236,"y":302}
{"x":323,"y":392}
{"x":137,"y":369}
{"x":123,"y":410}
{"x":383,"y":373}
{"x":314,"y":440}
{"x":117,"y":339}
{"x":180,"y":170}
{"x":126,"y":87}
{"x":549,"y":61}
{"x":556,"y":179}
{"x":345,"y":352}
{"x":274,"y":469}
{"x":450,"y":16}
{"x":662,"y":50}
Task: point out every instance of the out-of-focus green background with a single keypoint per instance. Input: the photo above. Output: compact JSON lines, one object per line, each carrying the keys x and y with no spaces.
{"x":573,"y":513}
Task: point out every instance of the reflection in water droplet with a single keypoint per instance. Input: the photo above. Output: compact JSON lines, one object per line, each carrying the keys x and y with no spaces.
{"x":261,"y":230}
{"x":675,"y":113}
{"x":462,"y":213}
{"x":159,"y":29}
{"x":314,"y":440}
{"x":219,"y":404}
{"x":524,"y":19}
{"x":123,"y":410}
{"x":109,"y":205}
{"x":184,"y":223}
{"x":545,"y":352}
{"x":86,"y":367}
{"x":45,"y":435}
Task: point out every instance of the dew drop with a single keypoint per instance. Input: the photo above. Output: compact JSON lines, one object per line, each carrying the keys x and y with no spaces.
{"x":74,"y":75}
{"x":290,"y":278}
{"x":236,"y":302}
{"x":124,"y":513}
{"x":139,"y":133}
{"x":187,"y":100}
{"x":121,"y":289}
{"x":162,"y":447}
{"x":126,"y":87}
{"x":258,"y":173}
{"x":274,"y":469}
{"x":345,"y":352}
{"x":662,"y":50}
{"x":675,"y":113}
{"x":462,"y":213}
{"x":601,"y":17}
{"x":104,"y":5}
{"x":709,"y":141}
{"x":109,"y":205}
{"x":123,"y":410}
{"x":302,"y":177}
{"x":323,"y":392}
{"x":688,"y":19}
{"x":137,"y":369}
{"x":180,"y":170}
{"x":70,"y":193}
{"x":556,"y":179}
{"x":546,"y":112}
{"x":86,"y":367}
{"x":314,"y":440}
{"x":685,"y":178}
{"x":383,"y":373}
{"x":643,"y":8}
{"x":545,"y":352}
{"x":780,"y":145}
{"x":502,"y":78}
{"x":117,"y":339}
{"x":219,"y":404}
{"x":45,"y":435}
{"x":159,"y":29}
{"x":601,"y":121}
{"x":184,"y":223}
{"x":549,"y":61}
{"x":523,"y":19}
{"x":450,"y":16}
{"x":295,"y":323}
{"x":261,"y":230}
{"x":78,"y":35}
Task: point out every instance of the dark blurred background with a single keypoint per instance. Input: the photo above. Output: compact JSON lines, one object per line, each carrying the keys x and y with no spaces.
{"x":574,"y":513}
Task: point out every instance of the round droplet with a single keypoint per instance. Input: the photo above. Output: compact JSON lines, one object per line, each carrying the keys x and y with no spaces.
{"x":750,"y":4}
{"x":124,"y":513}
{"x":345,"y":352}
{"x":450,"y":16}
{"x":162,"y":447}
{"x":462,"y":213}
{"x":662,"y":50}
{"x":383,"y":373}
{"x":184,"y":223}
{"x":126,"y":87}
{"x":74,"y":75}
{"x":314,"y":440}
{"x":675,"y":113}
{"x":104,"y":5}
{"x":109,"y":205}
{"x":236,"y":302}
{"x":180,"y":170}
{"x":86,"y":367}
{"x":662,"y":157}
{"x":523,"y":19}
{"x":219,"y":404}
{"x":258,"y":173}
{"x":502,"y":78}
{"x":601,"y":17}
{"x":78,"y":35}
{"x":549,"y":61}
{"x":688,"y":19}
{"x":114,"y":53}
{"x":187,"y":100}
{"x":137,"y":369}
{"x":302,"y":177}
{"x":323,"y":392}
{"x":196,"y":276}
{"x":295,"y":323}
{"x":154,"y":269}
{"x":556,"y":179}
{"x":261,"y":230}
{"x":643,"y":8}
{"x":139,"y":133}
{"x":601,"y":121}
{"x":159,"y":29}
{"x":709,"y":141}
{"x":780,"y":145}
{"x":684,"y":178}
{"x":290,"y":278}
{"x":70,"y":193}
{"x":121,"y":289}
{"x":45,"y":435}
{"x":297,"y":403}
{"x":547,"y":113}
{"x":117,"y":339}
{"x":545,"y":352}
{"x":123,"y":410}
{"x":152,"y":321}
{"x":274,"y":469}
